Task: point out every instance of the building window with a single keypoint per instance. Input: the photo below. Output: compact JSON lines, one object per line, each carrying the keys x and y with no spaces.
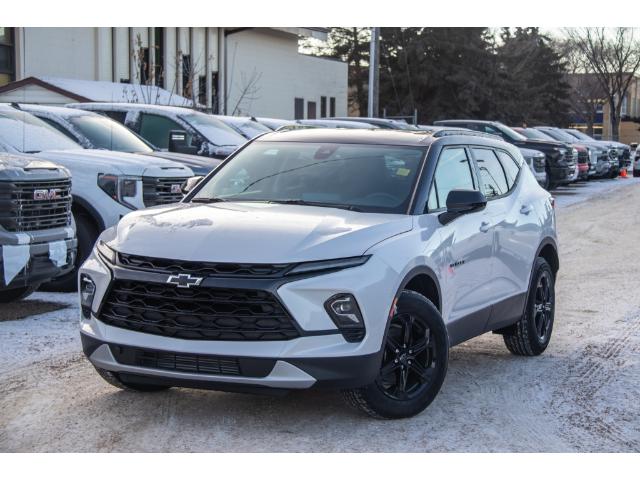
{"x":7,"y":60}
{"x":202,"y":89}
{"x":332,"y":106}
{"x":158,"y":67}
{"x":215,"y":107}
{"x":144,"y":66}
{"x":323,"y":107}
{"x":298,"y":108}
{"x":186,"y":76}
{"x":311,"y":110}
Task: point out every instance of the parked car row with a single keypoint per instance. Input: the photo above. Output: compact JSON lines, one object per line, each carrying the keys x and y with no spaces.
{"x":126,"y":156}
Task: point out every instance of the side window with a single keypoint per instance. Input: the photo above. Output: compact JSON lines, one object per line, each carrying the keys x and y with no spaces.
{"x":453,"y":172}
{"x":155,"y":129}
{"x":117,"y":116}
{"x":493,"y":180}
{"x":510,"y":166}
{"x":58,"y":127}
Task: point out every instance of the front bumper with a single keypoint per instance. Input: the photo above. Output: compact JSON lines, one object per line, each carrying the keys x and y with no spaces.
{"x":38,"y":267}
{"x":319,"y":357}
{"x":213,"y":372}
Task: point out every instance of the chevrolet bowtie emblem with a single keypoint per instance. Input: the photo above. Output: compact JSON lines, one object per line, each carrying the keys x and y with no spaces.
{"x":184,"y":280}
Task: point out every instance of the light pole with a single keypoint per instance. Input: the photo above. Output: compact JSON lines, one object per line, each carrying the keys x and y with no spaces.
{"x":374,"y":72}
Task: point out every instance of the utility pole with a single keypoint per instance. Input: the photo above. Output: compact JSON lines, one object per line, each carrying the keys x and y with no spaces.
{"x":374,"y":72}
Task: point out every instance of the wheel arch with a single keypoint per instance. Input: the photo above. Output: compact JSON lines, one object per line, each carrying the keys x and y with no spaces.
{"x":548,"y":249}
{"x":424,"y":281}
{"x":80,"y":206}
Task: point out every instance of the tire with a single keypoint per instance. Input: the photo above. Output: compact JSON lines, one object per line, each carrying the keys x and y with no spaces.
{"x":112,"y":378}
{"x":531,"y":335}
{"x":636,"y":173}
{"x":15,"y":294}
{"x":546,"y":184}
{"x":87,"y":235}
{"x":400,"y":391}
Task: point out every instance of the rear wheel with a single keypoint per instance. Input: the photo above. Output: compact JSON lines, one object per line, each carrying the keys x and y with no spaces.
{"x":414,"y":362}
{"x":112,"y":378}
{"x":531,"y":335}
{"x":636,"y":173}
{"x":15,"y":294}
{"x":87,"y":235}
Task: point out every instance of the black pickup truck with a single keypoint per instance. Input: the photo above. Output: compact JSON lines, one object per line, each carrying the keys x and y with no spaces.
{"x":560,"y":157}
{"x":37,"y":237}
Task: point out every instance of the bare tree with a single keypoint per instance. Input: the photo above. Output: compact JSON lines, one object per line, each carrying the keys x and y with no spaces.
{"x":585,"y":95}
{"x":613,"y":55}
{"x":249,"y":89}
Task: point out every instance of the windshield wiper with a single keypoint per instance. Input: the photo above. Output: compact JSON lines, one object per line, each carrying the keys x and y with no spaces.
{"x":317,"y":204}
{"x":208,"y":200}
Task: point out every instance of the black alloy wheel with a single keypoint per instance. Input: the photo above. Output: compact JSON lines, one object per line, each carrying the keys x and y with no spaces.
{"x":543,"y":307}
{"x":408,"y":364}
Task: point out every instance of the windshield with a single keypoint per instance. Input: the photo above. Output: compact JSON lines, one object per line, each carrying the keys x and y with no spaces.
{"x":28,"y":134}
{"x":108,"y":134}
{"x":534,"y":134}
{"x":370,"y":178}
{"x":559,"y":135}
{"x":580,"y":135}
{"x":510,"y":133}
{"x":213,"y":129}
{"x":246,"y":127}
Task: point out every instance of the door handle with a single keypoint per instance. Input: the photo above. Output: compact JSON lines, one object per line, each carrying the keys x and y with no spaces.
{"x":525,"y":209}
{"x":485,"y":226}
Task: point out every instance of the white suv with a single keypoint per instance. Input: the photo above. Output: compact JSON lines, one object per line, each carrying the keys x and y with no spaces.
{"x":351,"y":259}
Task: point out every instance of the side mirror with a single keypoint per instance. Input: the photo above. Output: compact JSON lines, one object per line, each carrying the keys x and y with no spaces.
{"x":461,"y":202}
{"x":190,"y":184}
{"x":633,"y":146}
{"x":177,"y":140}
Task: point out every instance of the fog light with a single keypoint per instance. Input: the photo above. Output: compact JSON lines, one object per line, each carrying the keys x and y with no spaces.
{"x":345,"y":313}
{"x":87,"y":291}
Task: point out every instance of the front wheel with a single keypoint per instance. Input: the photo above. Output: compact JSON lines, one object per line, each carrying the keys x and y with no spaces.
{"x":531,"y":335}
{"x":414,"y":362}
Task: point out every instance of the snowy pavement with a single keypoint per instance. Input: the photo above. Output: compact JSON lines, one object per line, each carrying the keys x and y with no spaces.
{"x":581,"y":395}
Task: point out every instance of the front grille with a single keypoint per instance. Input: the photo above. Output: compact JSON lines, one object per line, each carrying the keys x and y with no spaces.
{"x":181,"y":362}
{"x":583,"y":156}
{"x":197,"y":313}
{"x":165,"y":265}
{"x":161,"y":191}
{"x":21,"y":211}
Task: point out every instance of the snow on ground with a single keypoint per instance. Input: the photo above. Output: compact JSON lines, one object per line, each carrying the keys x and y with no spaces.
{"x":40,"y":337}
{"x":580,"y":192}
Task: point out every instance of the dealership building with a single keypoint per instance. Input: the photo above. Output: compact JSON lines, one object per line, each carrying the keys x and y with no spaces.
{"x":233,"y":71}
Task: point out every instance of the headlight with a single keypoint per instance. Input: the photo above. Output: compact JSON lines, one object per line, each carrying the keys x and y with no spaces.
{"x":345,"y":313}
{"x":105,"y":252}
{"x":337,"y":264}
{"x":122,"y":189}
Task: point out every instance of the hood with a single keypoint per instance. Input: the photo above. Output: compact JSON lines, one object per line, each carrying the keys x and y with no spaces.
{"x":254,"y":232}
{"x":27,"y":168}
{"x":200,"y":165}
{"x":542,"y":145}
{"x":108,"y":161}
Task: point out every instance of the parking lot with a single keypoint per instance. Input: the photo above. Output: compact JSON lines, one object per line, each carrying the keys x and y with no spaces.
{"x":581,"y":395}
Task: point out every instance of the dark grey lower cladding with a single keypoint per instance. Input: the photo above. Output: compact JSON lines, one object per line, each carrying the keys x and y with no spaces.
{"x":499,"y":315}
{"x":329,"y":372}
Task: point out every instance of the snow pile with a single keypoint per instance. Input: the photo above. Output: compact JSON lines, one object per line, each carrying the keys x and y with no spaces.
{"x":99,"y":91}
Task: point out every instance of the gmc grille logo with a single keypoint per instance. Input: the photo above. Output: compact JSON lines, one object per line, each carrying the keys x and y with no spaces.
{"x":44,"y":194}
{"x":176,"y":188}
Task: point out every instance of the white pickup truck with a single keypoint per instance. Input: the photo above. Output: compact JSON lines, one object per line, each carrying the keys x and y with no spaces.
{"x":106,"y":185}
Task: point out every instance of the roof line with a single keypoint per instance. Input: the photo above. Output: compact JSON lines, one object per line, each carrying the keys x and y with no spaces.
{"x":41,"y":83}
